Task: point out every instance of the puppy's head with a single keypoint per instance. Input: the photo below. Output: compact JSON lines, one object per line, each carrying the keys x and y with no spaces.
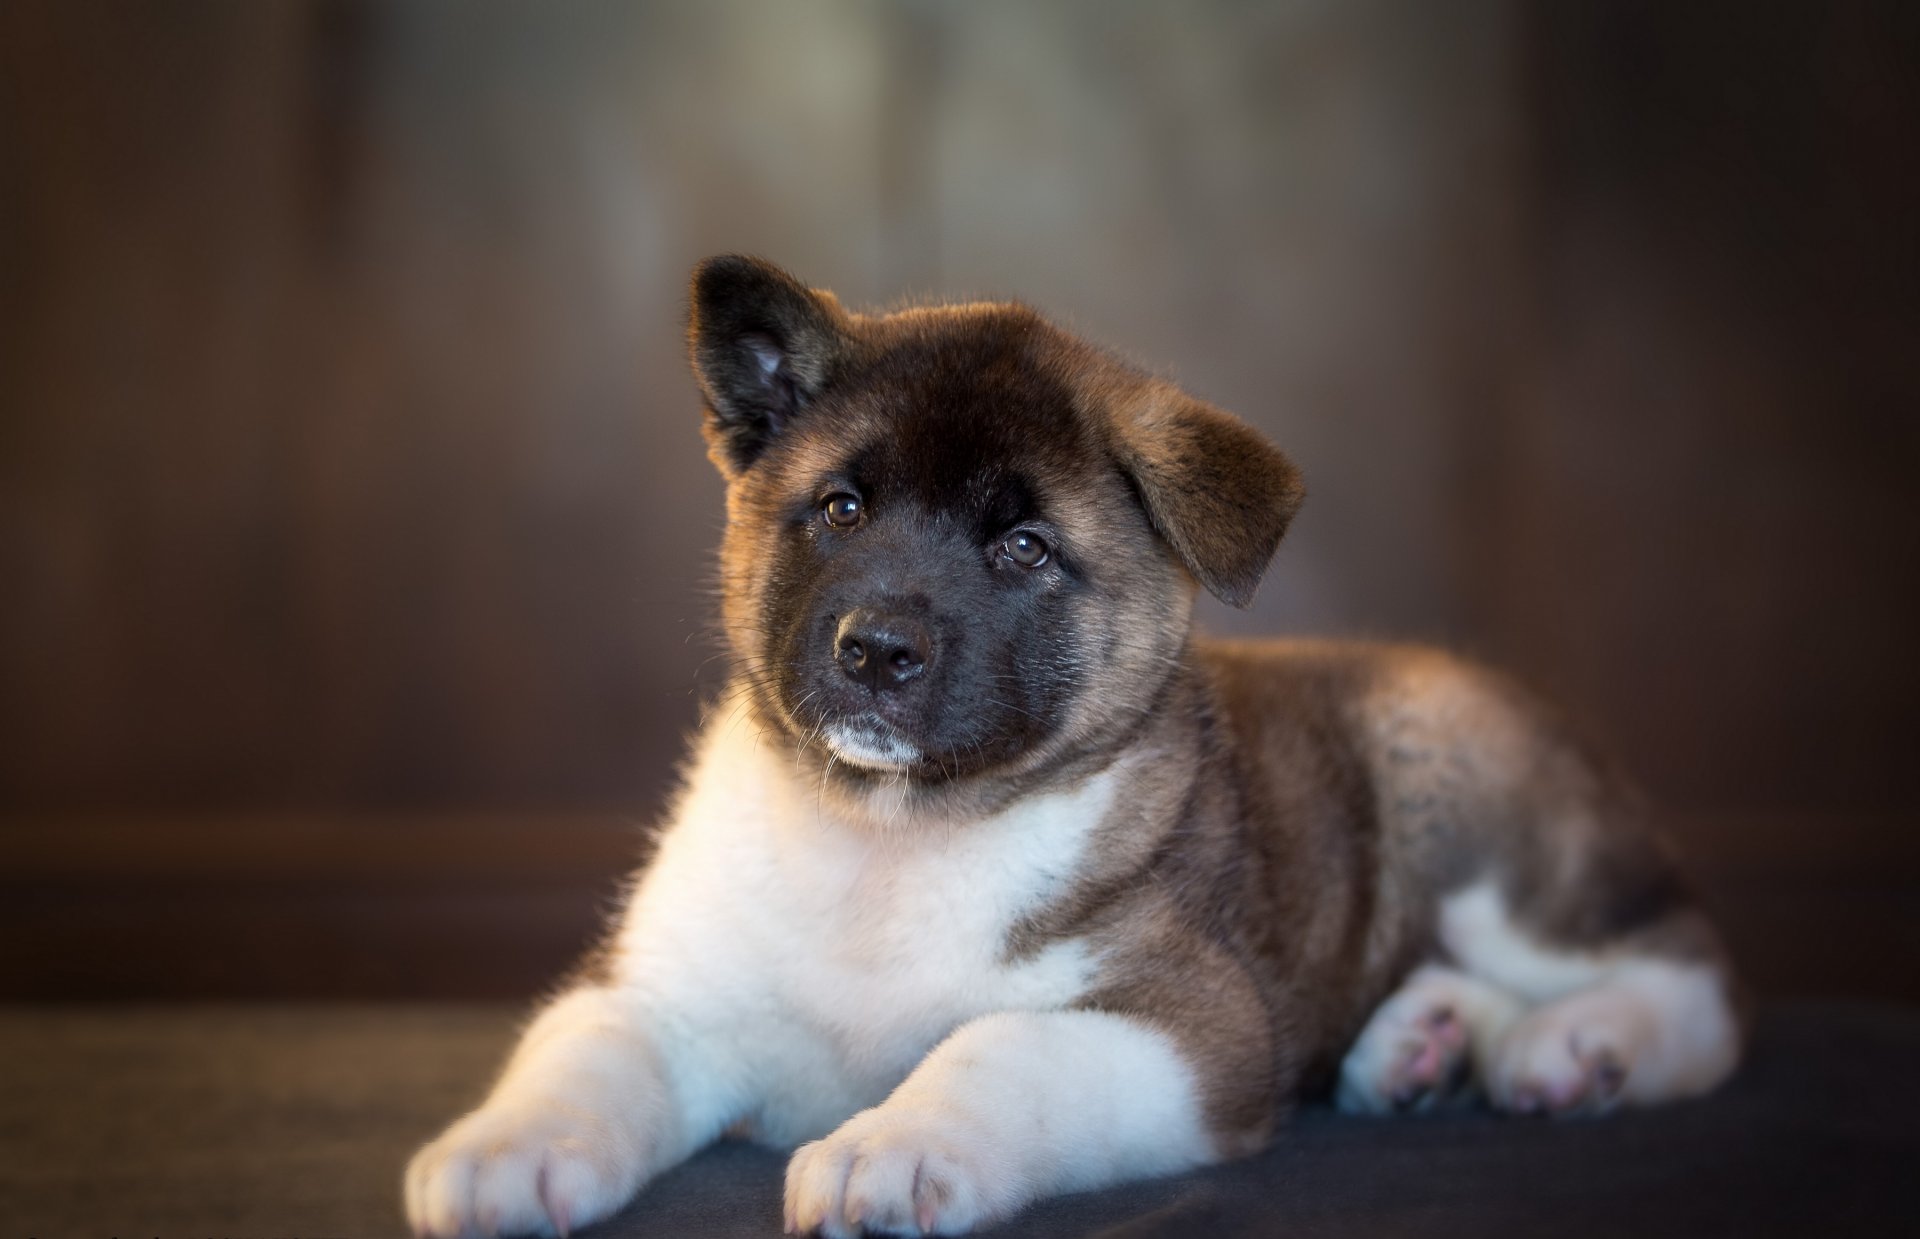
{"x":960,"y":541}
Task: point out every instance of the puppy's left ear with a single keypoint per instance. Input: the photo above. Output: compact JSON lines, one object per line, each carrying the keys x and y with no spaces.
{"x":764,"y":345}
{"x":1213,"y":487}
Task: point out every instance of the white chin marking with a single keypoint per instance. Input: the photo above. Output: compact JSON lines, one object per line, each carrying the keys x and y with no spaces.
{"x":870,"y":750}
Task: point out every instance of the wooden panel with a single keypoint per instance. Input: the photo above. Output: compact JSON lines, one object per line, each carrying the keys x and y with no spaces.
{"x":1702,"y":524}
{"x":387,"y":906}
{"x":350,"y":481}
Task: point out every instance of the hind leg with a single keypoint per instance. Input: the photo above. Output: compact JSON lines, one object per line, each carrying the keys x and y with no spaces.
{"x":1653,"y":1031}
{"x":1551,"y":886}
{"x":1618,"y":1023}
{"x":1428,"y":1043}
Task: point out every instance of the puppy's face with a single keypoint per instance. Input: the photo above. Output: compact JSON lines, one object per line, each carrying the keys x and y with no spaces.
{"x":960,"y":542}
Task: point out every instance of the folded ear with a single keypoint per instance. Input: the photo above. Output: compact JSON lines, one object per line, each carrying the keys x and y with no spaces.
{"x":763,"y":346}
{"x":1214,"y":488}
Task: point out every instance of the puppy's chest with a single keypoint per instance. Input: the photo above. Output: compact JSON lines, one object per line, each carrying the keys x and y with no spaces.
{"x":871,"y":944}
{"x":902,"y":944}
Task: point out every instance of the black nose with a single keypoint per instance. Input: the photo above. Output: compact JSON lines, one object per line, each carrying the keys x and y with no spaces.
{"x":881,"y":651}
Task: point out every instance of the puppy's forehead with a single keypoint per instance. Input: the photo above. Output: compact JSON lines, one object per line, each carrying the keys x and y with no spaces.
{"x":964,"y":408}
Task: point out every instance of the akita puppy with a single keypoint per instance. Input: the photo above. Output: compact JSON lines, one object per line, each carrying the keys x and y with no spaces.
{"x":992,"y":880}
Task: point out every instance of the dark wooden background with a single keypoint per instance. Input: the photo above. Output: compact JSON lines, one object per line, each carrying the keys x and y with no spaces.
{"x":355,"y":528}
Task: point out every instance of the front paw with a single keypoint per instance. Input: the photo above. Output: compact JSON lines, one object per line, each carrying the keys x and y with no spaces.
{"x":533,"y":1169}
{"x":899,"y":1171}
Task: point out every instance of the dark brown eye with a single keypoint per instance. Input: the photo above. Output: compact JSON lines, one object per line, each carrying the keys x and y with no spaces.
{"x":842,"y":510}
{"x":1025,"y":549}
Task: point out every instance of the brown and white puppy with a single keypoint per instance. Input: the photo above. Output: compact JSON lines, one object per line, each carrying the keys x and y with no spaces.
{"x":991,"y":880}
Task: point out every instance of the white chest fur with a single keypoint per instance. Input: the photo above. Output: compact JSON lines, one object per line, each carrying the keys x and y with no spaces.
{"x":816,"y":961}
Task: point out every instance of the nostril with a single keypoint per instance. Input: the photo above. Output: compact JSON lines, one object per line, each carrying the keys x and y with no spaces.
{"x":881,"y":652}
{"x":904,"y":664}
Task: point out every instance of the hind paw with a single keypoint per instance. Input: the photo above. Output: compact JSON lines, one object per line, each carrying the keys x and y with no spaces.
{"x":1413,"y":1055}
{"x":1550,"y":1064}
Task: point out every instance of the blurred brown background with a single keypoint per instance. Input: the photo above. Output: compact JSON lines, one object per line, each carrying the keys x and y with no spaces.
{"x":355,"y":526}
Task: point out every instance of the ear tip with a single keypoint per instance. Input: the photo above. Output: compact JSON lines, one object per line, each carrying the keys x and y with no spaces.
{"x":1238,"y":588}
{"x":731,"y":293}
{"x":726,"y":273}
{"x":722,"y":266}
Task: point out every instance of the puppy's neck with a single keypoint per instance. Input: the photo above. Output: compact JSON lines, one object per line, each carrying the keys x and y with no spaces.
{"x":901,"y":806}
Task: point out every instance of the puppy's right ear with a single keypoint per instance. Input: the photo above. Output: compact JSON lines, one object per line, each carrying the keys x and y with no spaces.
{"x":763,"y":346}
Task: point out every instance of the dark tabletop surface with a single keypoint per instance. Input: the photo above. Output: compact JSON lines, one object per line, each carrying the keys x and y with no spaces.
{"x":269,"y":1121}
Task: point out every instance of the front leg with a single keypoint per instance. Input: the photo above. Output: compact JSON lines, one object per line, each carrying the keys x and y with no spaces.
{"x":581,"y":1118}
{"x":1011,"y":1108}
